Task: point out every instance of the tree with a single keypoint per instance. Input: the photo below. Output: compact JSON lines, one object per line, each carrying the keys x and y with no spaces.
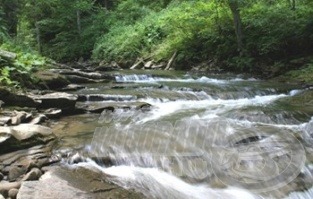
{"x":234,"y":7}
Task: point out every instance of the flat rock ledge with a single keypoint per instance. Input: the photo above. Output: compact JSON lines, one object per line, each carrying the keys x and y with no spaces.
{"x":78,"y":182}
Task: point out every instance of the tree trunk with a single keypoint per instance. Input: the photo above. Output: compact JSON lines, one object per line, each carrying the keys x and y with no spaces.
{"x":79,"y":27}
{"x":38,"y":37}
{"x":233,"y":4}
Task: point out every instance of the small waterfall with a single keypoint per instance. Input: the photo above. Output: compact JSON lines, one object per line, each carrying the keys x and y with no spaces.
{"x":150,"y":78}
{"x":134,"y":78}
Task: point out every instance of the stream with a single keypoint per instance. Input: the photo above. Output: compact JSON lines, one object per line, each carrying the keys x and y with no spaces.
{"x":195,"y":136}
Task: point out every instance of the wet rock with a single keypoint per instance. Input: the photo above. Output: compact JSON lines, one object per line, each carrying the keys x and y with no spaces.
{"x":144,"y":107}
{"x":34,"y":174}
{"x":103,"y":97}
{"x":15,"y":172}
{"x":78,"y":183}
{"x":73,"y":87}
{"x":39,"y":119}
{"x":96,"y":107}
{"x":13,"y":193}
{"x":23,"y":136}
{"x":100,"y":109}
{"x":18,"y":118}
{"x":58,"y":100}
{"x":51,"y":79}
{"x":53,"y":113}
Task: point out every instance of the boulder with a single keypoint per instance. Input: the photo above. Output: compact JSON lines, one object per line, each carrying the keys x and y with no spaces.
{"x":78,"y":183}
{"x":23,"y":136}
{"x":58,"y":100}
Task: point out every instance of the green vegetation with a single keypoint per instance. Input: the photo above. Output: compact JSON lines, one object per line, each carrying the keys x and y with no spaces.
{"x":18,"y":72}
{"x":236,"y":35}
{"x":303,"y":75}
{"x":271,"y":32}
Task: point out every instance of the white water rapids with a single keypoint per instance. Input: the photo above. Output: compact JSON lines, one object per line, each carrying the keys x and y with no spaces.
{"x":228,"y":138}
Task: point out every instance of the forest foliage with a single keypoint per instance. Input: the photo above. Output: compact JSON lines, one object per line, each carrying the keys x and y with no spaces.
{"x":239,"y":35}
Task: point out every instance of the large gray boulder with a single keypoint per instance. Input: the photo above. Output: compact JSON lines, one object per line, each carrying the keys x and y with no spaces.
{"x":78,"y":183}
{"x":23,"y":136}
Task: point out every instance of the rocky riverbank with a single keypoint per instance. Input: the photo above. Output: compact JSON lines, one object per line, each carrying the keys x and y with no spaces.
{"x":28,"y":165}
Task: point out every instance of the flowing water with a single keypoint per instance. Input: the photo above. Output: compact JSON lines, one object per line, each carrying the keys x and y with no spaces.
{"x":218,"y":136}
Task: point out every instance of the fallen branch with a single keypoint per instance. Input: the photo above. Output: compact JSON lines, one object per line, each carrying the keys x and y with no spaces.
{"x":170,"y":62}
{"x":140,"y":61}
